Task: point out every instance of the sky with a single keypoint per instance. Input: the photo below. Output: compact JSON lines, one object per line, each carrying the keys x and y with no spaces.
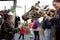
{"x":20,"y":10}
{"x":6,"y":4}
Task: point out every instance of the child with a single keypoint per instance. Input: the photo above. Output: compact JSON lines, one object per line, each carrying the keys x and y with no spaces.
{"x":30,"y":26}
{"x":22,"y":31}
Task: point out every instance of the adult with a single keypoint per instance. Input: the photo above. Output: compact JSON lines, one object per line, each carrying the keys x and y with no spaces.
{"x":56,"y":4}
{"x":47,"y":27}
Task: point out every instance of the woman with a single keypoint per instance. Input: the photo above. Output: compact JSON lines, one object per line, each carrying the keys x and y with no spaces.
{"x":56,"y":4}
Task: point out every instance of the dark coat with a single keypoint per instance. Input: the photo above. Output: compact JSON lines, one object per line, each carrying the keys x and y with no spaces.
{"x":46,"y":24}
{"x":17,"y":18}
{"x":57,"y":19}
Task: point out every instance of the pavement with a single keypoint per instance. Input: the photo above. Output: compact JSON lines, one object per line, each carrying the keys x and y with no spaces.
{"x":26,"y":37}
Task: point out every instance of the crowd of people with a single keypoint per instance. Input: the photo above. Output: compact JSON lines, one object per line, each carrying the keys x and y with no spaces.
{"x":8,"y":31}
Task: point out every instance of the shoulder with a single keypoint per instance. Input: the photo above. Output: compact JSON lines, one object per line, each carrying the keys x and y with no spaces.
{"x":58,"y":11}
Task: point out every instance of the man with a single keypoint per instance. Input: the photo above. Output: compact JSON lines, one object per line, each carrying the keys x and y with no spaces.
{"x":17,"y":19}
{"x":47,"y":27}
{"x":56,"y":4}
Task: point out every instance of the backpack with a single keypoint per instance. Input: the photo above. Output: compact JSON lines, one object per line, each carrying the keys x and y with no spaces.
{"x":47,"y":24}
{"x":35,"y":25}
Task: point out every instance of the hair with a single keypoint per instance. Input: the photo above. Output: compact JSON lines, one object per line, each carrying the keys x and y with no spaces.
{"x":56,"y":0}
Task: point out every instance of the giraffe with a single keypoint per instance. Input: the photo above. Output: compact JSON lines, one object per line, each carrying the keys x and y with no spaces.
{"x":33,"y":12}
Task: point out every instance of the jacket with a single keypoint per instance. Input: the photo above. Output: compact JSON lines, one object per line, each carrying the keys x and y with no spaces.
{"x":22,"y":30}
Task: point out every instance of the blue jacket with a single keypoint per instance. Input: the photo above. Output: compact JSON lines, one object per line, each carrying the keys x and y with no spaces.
{"x":46,"y":24}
